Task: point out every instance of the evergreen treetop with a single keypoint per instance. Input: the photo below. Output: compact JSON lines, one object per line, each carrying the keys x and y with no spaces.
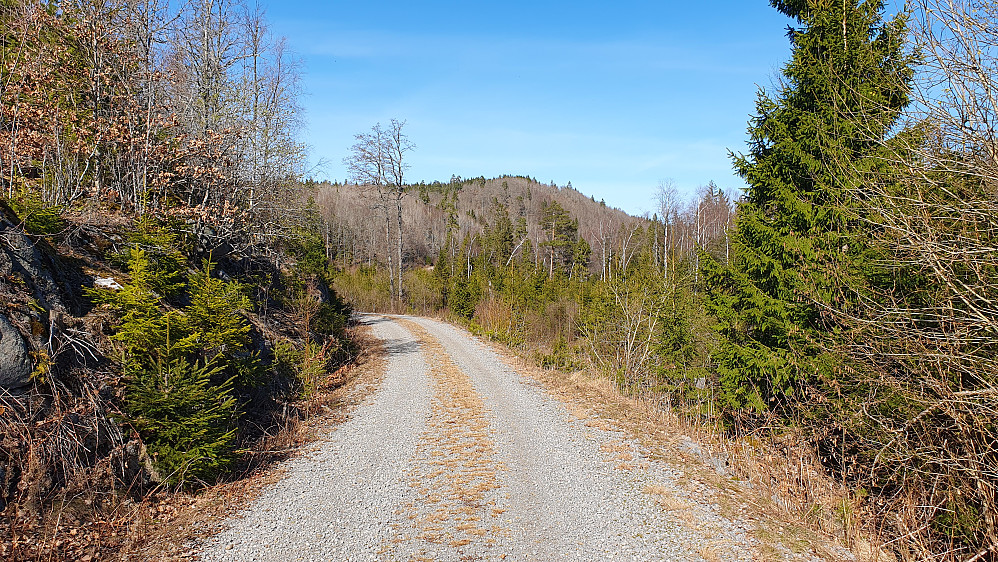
{"x":798,"y":238}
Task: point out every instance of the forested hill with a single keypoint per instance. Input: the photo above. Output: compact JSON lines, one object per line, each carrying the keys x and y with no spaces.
{"x":469,"y":208}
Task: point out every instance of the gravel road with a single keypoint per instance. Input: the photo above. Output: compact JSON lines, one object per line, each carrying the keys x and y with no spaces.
{"x":458,"y":457}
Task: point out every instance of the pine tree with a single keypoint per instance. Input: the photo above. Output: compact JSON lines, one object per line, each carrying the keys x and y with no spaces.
{"x":798,"y":239}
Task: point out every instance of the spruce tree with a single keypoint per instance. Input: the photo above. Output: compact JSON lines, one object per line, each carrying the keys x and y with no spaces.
{"x":562,"y":231}
{"x":499,"y":235}
{"x":581,"y":255}
{"x":214,"y":315}
{"x":186,"y":418}
{"x":798,"y":239}
{"x":186,"y":421}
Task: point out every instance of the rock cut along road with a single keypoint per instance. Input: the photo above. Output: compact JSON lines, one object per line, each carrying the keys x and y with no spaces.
{"x":458,"y":457}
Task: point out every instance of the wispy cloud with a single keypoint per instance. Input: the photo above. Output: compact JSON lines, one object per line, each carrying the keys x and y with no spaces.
{"x":637,"y":54}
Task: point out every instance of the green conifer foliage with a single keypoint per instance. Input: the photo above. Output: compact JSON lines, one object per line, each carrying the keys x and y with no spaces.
{"x":38,"y":217}
{"x":185,"y":421}
{"x":165,"y":263}
{"x":173,"y":399}
{"x":214,"y":314}
{"x":798,"y":240}
{"x":143,"y":328}
{"x":462,"y":301}
{"x":580,"y":259}
{"x":562,"y":231}
{"x":499,"y":236}
{"x":215,"y":319}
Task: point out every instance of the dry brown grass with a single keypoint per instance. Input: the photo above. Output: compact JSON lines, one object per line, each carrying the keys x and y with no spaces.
{"x":667,"y":499}
{"x":455,"y":470}
{"x":715,"y":551}
{"x":615,"y":447}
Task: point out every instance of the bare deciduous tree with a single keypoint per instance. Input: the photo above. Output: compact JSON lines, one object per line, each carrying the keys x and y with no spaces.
{"x":929,"y":418}
{"x":378,"y":159}
{"x":668,"y":208}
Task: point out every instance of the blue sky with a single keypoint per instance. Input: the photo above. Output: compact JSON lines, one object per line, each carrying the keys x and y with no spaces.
{"x":612,"y":96}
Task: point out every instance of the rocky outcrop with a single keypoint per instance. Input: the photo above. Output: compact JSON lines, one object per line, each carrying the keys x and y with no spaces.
{"x":15,"y":363}
{"x":22,"y":263}
{"x":29,"y":294}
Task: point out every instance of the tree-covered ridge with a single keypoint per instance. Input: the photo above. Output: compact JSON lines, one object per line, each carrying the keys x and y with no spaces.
{"x":547,"y":268}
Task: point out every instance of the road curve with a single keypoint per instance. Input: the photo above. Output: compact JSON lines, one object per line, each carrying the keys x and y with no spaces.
{"x":458,"y":457}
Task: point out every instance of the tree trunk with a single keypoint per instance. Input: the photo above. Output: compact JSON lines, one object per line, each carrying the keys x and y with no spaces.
{"x":398,"y":249}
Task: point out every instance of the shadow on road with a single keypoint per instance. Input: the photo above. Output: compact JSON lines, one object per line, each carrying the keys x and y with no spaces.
{"x":371,"y":319}
{"x":391,"y":345}
{"x":401,"y":347}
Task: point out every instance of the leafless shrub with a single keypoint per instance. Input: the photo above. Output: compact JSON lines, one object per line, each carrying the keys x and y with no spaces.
{"x":925,"y":441}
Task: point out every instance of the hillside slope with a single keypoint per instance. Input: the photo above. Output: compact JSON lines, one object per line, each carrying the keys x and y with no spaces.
{"x":98,"y":412}
{"x":358,"y":224}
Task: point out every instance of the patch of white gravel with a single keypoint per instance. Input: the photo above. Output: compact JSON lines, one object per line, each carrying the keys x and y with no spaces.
{"x":561,"y":495}
{"x":336,"y":501}
{"x":566,"y":498}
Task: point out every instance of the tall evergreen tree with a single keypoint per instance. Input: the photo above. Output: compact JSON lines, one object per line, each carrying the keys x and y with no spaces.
{"x":499,"y":235}
{"x":798,"y":239}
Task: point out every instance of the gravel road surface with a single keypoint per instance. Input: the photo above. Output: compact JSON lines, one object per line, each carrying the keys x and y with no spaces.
{"x":458,"y":457}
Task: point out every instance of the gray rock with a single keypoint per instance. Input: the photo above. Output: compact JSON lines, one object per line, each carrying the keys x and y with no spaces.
{"x":15,"y":364}
{"x":690,"y":446}
{"x":21,"y":258}
{"x":719,"y":462}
